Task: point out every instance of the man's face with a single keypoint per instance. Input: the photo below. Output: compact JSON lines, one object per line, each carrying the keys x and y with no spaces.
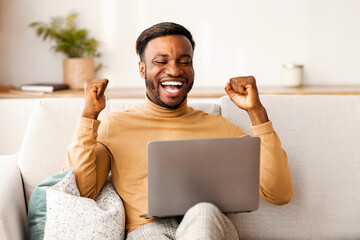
{"x":168,"y":70}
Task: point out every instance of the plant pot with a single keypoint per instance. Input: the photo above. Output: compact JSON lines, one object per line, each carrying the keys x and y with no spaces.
{"x":77,"y":71}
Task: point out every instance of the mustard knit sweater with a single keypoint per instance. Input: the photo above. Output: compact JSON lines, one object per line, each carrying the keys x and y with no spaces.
{"x":120,"y":142}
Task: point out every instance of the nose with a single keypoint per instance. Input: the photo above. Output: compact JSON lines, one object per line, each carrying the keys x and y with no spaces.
{"x":173,"y":69}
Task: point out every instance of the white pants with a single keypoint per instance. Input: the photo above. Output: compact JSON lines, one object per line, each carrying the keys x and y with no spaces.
{"x":202,"y":221}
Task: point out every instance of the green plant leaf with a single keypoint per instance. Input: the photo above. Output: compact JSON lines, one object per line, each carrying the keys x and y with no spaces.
{"x":68,"y":38}
{"x":46,"y":34}
{"x":70,"y":20}
{"x":39,"y":31}
{"x":56,"y":23}
{"x":34,"y":24}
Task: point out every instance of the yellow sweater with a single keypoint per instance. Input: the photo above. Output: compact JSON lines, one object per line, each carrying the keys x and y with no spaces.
{"x":120,"y":144}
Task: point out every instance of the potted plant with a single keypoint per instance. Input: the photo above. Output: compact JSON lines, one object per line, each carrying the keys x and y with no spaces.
{"x":73,"y":43}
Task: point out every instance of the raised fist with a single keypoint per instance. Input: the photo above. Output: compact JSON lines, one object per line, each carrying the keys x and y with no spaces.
{"x":95,"y":100}
{"x":243,"y":92}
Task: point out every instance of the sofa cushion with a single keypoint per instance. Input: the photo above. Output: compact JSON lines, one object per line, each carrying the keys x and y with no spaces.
{"x":47,"y":136}
{"x":57,"y":211}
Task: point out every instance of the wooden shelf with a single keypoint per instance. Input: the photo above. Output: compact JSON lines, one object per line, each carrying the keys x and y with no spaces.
{"x":206,"y":92}
{"x":312,"y":90}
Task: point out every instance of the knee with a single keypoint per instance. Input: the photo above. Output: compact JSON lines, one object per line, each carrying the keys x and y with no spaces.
{"x":204,"y":207}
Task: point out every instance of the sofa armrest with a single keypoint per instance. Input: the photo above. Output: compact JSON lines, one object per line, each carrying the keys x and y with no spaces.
{"x":13,"y":214}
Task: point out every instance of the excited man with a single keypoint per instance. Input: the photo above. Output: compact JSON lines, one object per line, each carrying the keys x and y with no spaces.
{"x":120,"y":143}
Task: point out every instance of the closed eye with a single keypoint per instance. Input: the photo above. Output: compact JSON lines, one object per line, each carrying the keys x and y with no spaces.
{"x":159,"y":62}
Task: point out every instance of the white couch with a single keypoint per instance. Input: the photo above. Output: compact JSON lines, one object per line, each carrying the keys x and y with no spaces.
{"x":320,"y":134}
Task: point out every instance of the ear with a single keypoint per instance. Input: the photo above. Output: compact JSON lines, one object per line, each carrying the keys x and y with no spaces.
{"x":142,"y":69}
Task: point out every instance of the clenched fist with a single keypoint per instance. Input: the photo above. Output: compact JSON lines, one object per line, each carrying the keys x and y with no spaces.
{"x":95,"y":100}
{"x":243,"y":92}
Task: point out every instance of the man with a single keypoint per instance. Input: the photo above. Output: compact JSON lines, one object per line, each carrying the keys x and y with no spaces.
{"x":166,"y":63}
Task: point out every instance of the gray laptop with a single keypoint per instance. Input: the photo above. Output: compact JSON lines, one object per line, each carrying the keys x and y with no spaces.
{"x":222,"y":171}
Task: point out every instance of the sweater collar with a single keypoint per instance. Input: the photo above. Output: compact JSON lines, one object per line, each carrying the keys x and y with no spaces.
{"x":155,"y":110}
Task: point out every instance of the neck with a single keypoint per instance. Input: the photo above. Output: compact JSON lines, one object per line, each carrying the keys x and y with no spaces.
{"x":157,"y":110}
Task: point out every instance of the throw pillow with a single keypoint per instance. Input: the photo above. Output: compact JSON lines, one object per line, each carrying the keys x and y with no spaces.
{"x":37,"y":206}
{"x":69,"y":216}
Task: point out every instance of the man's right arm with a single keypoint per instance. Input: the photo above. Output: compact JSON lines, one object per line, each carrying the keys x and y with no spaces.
{"x":89,"y":158}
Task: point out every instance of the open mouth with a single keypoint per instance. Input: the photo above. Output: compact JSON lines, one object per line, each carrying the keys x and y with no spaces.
{"x":172,"y":86}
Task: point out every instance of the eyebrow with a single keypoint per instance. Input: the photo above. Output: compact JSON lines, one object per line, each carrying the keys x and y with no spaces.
{"x":161,"y":55}
{"x":185,"y":55}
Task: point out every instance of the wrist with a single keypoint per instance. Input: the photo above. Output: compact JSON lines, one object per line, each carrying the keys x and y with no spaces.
{"x":258,"y":115}
{"x":90,"y":115}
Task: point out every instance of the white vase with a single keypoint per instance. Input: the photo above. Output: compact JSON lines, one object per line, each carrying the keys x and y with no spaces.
{"x":293,"y":75}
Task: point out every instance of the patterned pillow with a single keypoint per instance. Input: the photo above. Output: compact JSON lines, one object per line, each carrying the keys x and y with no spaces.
{"x":37,"y":206}
{"x":56,"y":211}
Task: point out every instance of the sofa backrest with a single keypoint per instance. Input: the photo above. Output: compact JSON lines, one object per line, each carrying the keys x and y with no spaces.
{"x":319,"y":133}
{"x":50,"y":131}
{"x":321,"y":136}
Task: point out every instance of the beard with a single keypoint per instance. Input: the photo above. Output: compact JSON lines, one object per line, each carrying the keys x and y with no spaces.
{"x":154,"y":90}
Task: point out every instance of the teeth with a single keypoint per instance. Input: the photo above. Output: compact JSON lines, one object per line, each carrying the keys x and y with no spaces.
{"x":172,"y":90}
{"x":172,"y":83}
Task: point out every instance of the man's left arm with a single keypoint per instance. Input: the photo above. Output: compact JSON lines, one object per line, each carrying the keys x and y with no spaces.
{"x":275,"y":179}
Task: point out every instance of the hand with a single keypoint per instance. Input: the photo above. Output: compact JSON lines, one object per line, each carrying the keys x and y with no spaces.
{"x":95,"y":100}
{"x":243,"y":92}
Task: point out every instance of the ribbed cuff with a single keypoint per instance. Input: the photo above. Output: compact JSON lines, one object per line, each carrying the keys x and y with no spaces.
{"x":89,"y":123}
{"x":262,"y":128}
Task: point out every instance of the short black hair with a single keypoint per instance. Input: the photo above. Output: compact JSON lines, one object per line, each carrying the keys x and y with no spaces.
{"x":159,"y":30}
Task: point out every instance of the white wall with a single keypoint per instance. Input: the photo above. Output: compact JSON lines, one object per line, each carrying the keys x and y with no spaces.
{"x":234,"y":37}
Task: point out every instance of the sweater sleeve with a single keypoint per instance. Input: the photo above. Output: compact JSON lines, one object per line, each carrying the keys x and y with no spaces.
{"x":275,"y":179}
{"x":89,"y":159}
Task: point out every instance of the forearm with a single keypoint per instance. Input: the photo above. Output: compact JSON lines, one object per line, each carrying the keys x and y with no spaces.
{"x":275,"y":179}
{"x":90,"y":159}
